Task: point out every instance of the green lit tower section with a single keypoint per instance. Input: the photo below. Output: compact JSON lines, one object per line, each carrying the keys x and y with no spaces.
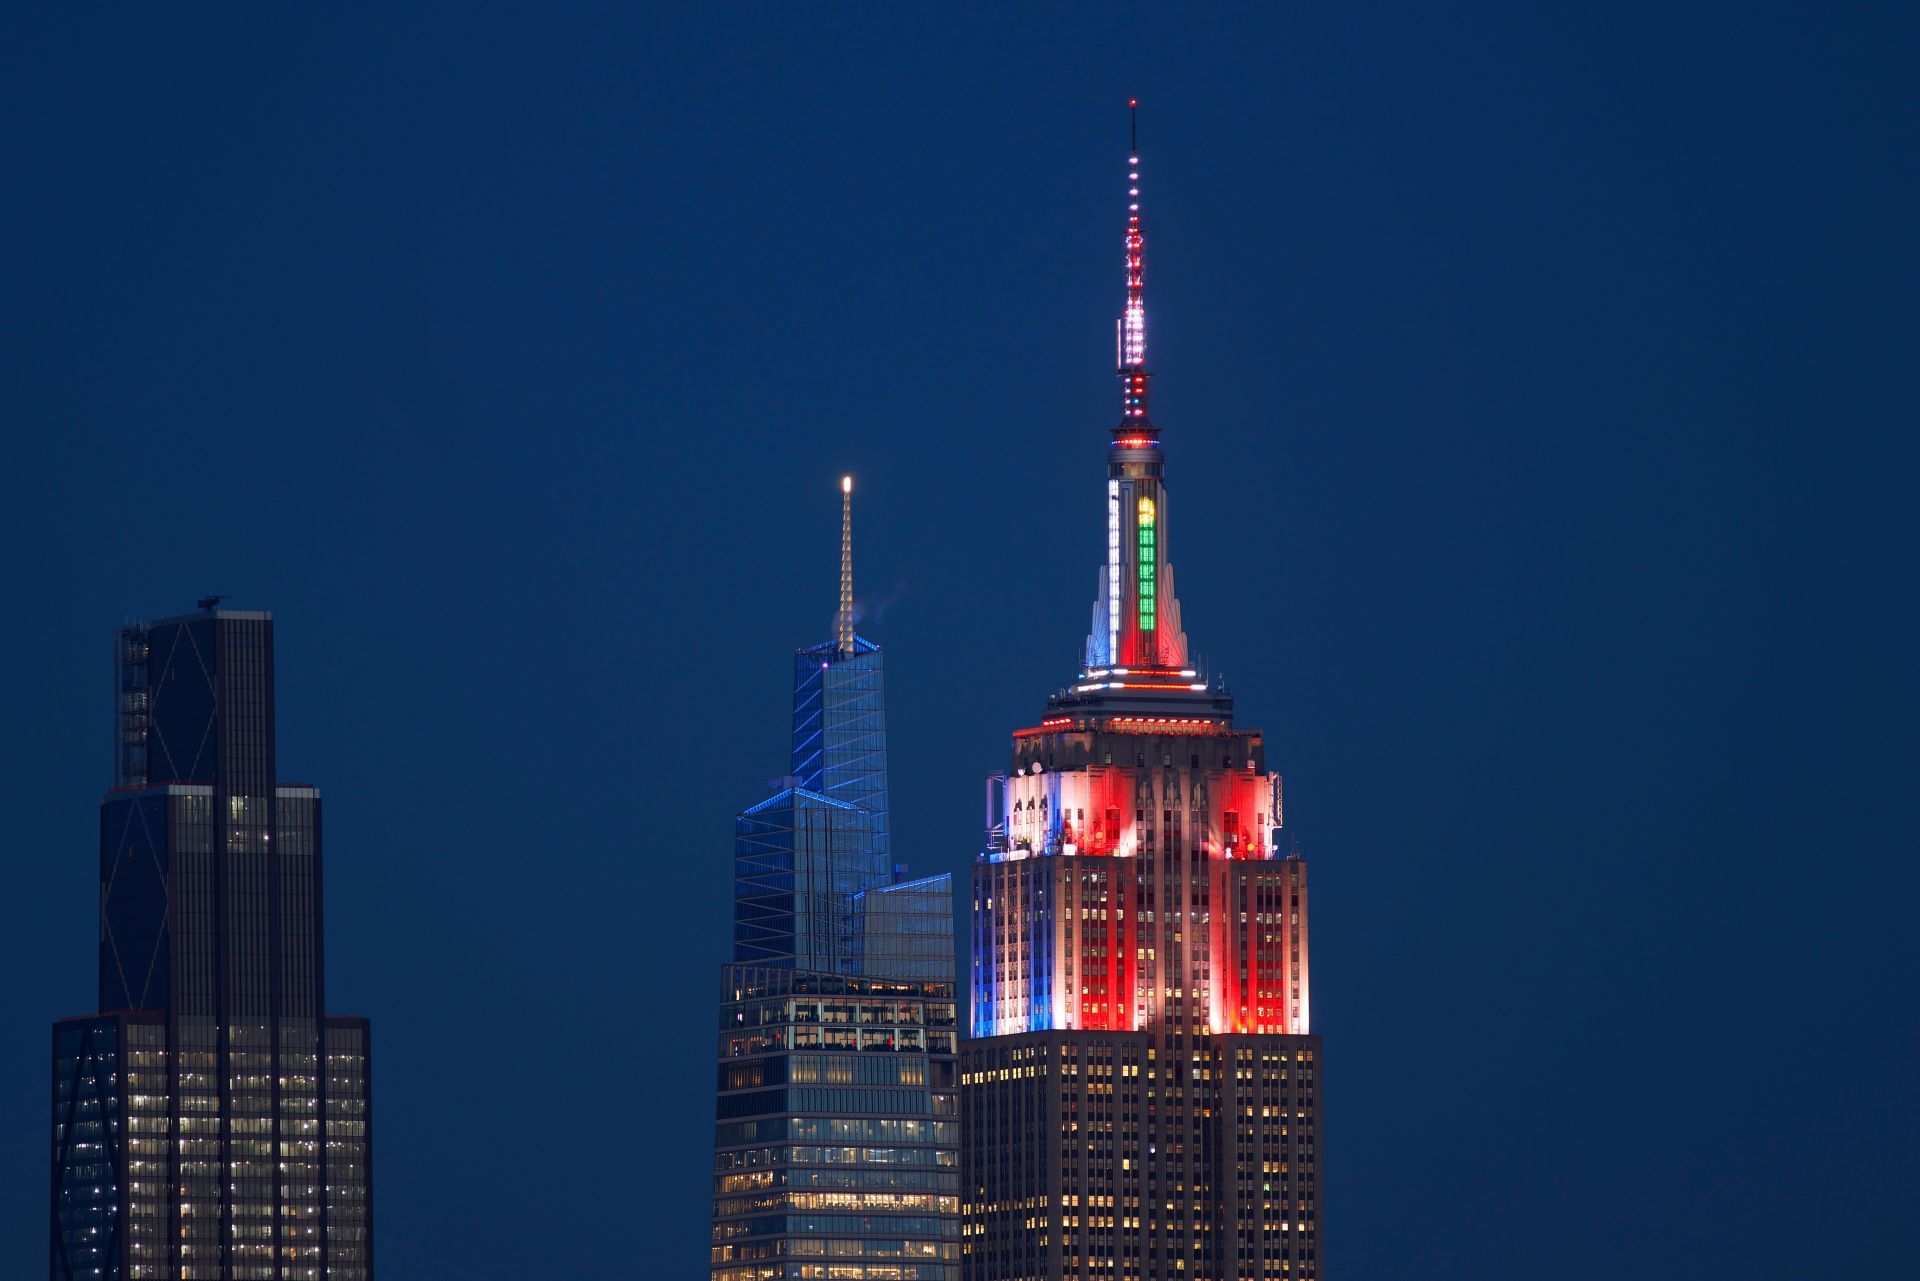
{"x":1146,"y":554}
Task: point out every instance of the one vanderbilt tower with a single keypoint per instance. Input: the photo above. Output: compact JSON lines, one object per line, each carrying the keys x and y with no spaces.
{"x":1141,"y":1093}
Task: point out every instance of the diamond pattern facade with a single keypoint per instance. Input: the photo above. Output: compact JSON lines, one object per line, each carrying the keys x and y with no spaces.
{"x":212,"y":1123}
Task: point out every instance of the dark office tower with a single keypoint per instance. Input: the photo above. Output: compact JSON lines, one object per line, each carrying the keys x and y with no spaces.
{"x":1140,"y":1095}
{"x":836,"y":1148}
{"x":839,"y":705}
{"x":212,"y":1121}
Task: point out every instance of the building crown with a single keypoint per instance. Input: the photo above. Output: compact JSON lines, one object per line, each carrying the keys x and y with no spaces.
{"x":1135,"y":648}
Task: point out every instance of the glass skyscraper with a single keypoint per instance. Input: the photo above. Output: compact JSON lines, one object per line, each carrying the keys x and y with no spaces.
{"x":212,"y":1121}
{"x":836,"y":1144}
{"x":905,"y":929}
{"x":840,"y":727}
{"x":801,"y":863}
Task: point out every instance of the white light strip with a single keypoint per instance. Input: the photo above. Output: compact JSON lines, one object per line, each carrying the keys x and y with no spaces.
{"x":1135,"y":353}
{"x":1113,"y":571}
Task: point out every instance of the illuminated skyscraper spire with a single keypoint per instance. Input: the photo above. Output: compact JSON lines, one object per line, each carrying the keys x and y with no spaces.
{"x":1135,"y":921}
{"x":1136,"y":617}
{"x":845,"y":628}
{"x":839,"y":704}
{"x":1131,"y":329}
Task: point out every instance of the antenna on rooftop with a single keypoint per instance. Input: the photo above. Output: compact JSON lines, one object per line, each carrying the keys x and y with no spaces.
{"x":846,"y":567}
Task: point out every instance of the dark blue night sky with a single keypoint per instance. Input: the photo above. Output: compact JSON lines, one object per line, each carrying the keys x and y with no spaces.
{"x":1538,"y":385}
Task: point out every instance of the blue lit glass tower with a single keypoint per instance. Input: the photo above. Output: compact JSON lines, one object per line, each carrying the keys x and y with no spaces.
{"x":840,"y":705}
{"x":836,"y":1143}
{"x":801,"y":863}
{"x":840,"y":727}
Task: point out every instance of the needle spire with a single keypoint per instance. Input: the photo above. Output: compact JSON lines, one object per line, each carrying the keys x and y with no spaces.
{"x":846,"y":567}
{"x":1132,"y":326}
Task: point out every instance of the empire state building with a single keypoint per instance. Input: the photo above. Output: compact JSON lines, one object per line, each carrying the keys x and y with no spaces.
{"x":1141,"y":1094}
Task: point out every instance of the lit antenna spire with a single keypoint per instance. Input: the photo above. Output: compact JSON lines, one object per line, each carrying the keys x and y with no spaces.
{"x":1132,"y":327}
{"x":846,"y":567}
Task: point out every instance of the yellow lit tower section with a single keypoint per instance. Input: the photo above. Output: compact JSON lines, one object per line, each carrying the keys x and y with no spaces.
{"x":1141,"y":1091}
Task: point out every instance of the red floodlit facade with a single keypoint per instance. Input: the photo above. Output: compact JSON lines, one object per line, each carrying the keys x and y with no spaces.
{"x":1141,"y":1091}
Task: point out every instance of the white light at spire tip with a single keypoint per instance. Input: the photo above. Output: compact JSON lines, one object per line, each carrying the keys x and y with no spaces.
{"x":846,"y":484}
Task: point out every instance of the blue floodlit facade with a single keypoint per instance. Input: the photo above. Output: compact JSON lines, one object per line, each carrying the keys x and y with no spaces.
{"x":837,"y":1131}
{"x":840,"y":727}
{"x":801,"y":862}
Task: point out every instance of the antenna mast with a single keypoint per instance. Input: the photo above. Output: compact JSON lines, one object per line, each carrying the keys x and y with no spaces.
{"x":846,"y":567}
{"x":1133,"y":325}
